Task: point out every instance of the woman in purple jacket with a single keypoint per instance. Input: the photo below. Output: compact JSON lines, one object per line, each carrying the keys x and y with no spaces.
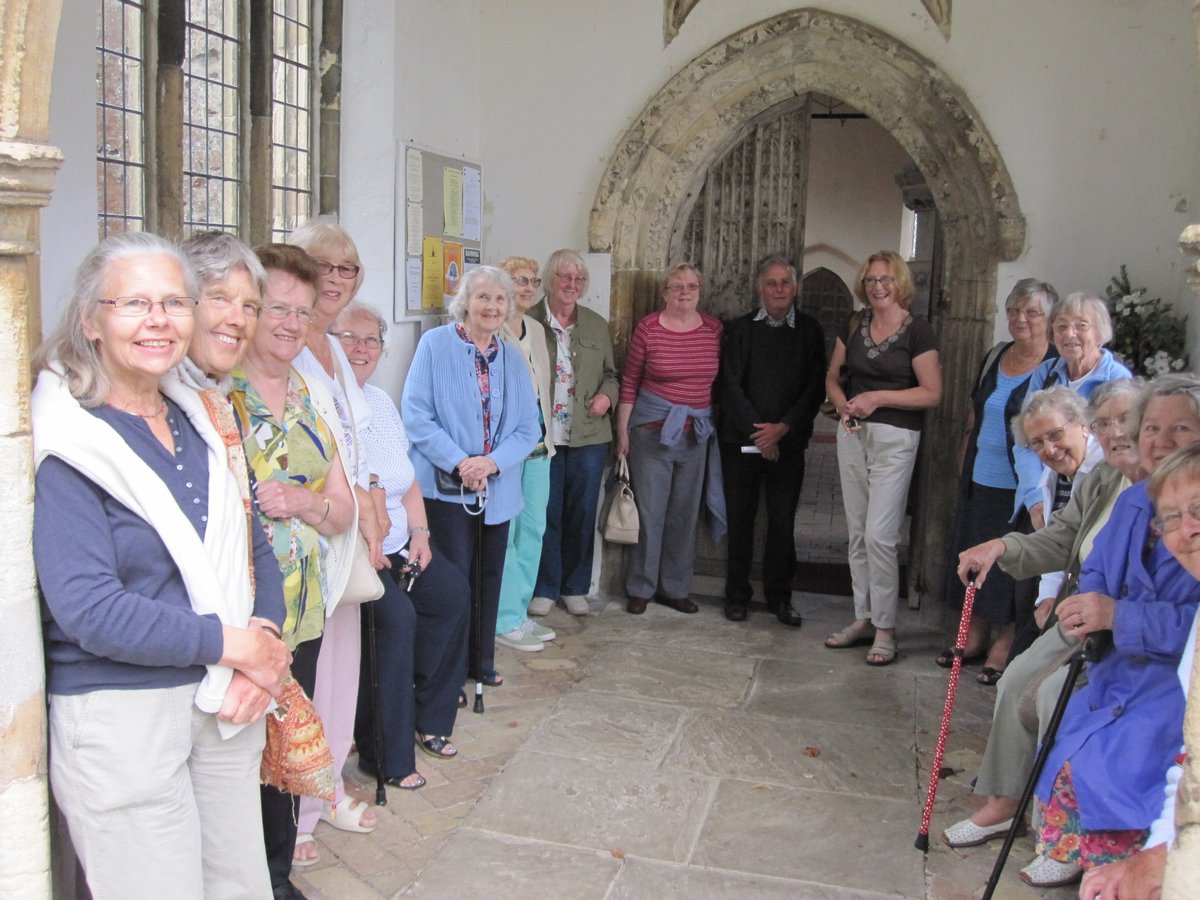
{"x":1102,"y":784}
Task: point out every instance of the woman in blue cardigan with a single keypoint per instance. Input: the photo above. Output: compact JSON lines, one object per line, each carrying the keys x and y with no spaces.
{"x":1102,"y":784}
{"x":471,"y":414}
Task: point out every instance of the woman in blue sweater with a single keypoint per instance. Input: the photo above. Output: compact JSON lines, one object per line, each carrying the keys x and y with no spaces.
{"x":471,"y":414}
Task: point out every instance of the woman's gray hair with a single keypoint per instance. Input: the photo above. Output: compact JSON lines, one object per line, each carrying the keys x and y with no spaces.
{"x":86,"y":378}
{"x":1109,"y":390}
{"x":1091,"y":308}
{"x":1059,"y":399}
{"x":561,"y":259}
{"x":214,"y":254}
{"x":1032,"y":289}
{"x":354,"y":308}
{"x":324,"y":233}
{"x":457,"y":308}
{"x":1176,"y":384}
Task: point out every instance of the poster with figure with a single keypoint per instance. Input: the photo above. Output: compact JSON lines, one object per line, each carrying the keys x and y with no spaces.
{"x":452,"y":261}
{"x":433,"y":278}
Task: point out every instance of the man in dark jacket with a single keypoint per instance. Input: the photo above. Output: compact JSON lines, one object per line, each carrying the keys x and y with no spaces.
{"x":772,"y":381}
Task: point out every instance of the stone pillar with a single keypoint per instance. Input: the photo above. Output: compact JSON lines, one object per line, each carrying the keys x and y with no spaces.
{"x":27,"y":169}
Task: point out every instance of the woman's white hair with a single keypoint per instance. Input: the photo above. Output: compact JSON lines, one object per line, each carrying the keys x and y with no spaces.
{"x":457,"y":308}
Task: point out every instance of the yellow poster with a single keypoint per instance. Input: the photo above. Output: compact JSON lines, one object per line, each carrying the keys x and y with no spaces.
{"x":452,"y":201}
{"x":452,"y":259}
{"x":432,"y":275}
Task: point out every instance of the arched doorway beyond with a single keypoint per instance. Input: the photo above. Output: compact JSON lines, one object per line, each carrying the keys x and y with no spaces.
{"x":702,"y":110}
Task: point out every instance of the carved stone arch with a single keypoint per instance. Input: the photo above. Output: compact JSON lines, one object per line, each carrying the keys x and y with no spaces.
{"x":661,"y":159}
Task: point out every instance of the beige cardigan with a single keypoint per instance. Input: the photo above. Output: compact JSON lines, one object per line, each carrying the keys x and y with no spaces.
{"x":537,"y":359}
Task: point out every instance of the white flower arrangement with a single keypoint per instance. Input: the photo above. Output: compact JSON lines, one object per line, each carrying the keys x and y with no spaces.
{"x":1147,"y":335}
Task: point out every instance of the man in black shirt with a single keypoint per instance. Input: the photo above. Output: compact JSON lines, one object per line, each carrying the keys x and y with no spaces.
{"x":772,"y":380}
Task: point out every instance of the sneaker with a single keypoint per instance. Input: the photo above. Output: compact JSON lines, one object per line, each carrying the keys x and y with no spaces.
{"x":541,"y":632}
{"x":519,"y":639}
{"x":577,"y":604}
{"x":540,"y":606}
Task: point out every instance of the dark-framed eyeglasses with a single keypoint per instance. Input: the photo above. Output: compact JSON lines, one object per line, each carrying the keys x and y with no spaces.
{"x":136,"y":307}
{"x":350,"y":339}
{"x":346,"y":270}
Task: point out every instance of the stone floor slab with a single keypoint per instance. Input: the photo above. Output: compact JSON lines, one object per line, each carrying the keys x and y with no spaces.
{"x":484,"y":864}
{"x":640,"y":879}
{"x":647,"y":672}
{"x":839,"y":840}
{"x":796,"y":752}
{"x":833,"y":691}
{"x":628,"y":806}
{"x":593,"y":726}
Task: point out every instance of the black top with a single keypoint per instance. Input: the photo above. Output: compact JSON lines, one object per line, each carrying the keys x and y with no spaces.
{"x":888,"y":366}
{"x":771,"y":375}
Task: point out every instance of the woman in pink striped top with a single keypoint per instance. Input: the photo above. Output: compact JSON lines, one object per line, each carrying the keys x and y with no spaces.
{"x":665,"y":425}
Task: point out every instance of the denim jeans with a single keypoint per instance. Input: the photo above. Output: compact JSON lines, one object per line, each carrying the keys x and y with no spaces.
{"x":575,"y":474}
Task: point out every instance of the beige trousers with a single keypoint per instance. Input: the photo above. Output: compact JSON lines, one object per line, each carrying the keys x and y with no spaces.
{"x":158,"y":805}
{"x":876,"y":463}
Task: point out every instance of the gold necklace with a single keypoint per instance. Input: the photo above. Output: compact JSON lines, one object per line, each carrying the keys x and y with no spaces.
{"x":162,"y":408}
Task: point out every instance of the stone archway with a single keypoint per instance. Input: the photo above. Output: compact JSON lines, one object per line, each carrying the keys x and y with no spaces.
{"x":660,"y":160}
{"x":28,"y":165}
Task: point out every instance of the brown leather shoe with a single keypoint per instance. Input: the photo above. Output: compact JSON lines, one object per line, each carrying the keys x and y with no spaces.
{"x":681,"y":604}
{"x":636,"y":605}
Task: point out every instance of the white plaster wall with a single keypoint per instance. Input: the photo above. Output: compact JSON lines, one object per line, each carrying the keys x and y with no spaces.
{"x":854,"y":205}
{"x":69,"y":222}
{"x":1093,"y":103}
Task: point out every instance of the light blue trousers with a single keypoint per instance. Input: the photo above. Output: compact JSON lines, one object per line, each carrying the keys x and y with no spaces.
{"x":524,"y":552}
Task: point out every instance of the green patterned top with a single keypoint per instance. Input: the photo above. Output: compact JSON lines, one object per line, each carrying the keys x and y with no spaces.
{"x":298,"y":450}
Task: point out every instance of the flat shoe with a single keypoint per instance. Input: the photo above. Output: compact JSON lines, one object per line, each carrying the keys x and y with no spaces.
{"x":303,"y":862}
{"x":492,"y":679}
{"x":883,"y":650}
{"x":850,"y":636}
{"x":345,"y":816}
{"x":735,"y":612}
{"x":989,"y":676}
{"x":1044,"y":872}
{"x":945,"y":659}
{"x":967,"y":834}
{"x":437,"y":746}
{"x":680,"y":604}
{"x":787,"y":615}
{"x":462,"y":699}
{"x":636,"y":605}
{"x":370,"y":771}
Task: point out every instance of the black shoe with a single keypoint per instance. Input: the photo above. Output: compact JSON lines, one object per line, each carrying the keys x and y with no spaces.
{"x":786,"y":613}
{"x":287,"y":891}
{"x":735,"y":612}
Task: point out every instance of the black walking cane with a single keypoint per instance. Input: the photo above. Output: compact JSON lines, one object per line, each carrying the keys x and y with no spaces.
{"x":477,"y":609}
{"x":939,"y":754}
{"x":376,"y":718}
{"x":1094,"y":647}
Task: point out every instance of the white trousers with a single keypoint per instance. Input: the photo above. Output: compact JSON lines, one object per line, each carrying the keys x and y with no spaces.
{"x":158,"y":805}
{"x":876,"y":464}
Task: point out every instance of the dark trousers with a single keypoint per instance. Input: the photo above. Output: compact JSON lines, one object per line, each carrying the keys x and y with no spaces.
{"x":744,"y":474}
{"x":421,"y":655}
{"x":575,"y":476}
{"x":465,"y":540}
{"x":279,"y":809}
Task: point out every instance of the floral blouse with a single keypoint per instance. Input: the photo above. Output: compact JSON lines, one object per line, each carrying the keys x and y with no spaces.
{"x":299,"y":450}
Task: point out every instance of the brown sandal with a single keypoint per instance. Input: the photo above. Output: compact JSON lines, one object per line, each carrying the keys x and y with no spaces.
{"x":883,"y":651}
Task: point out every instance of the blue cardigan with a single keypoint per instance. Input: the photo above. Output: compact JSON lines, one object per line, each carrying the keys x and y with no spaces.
{"x":443,"y":415}
{"x":1054,"y":372}
{"x":1123,"y":728}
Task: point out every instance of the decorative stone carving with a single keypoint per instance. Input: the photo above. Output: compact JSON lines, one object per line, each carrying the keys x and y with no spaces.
{"x":674,"y":12}
{"x":939,"y":11}
{"x":663,"y":157}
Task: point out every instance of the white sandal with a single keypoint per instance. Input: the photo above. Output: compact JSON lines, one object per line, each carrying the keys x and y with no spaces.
{"x":303,"y":863}
{"x":346,"y":816}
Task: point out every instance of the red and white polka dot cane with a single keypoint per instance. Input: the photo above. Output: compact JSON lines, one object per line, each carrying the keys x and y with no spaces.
{"x":960,"y":646}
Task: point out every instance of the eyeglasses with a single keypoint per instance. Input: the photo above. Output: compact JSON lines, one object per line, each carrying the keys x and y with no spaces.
{"x":221,"y":302}
{"x":882,"y":281}
{"x":1053,"y":436}
{"x":692,"y":288}
{"x":1168,"y":522}
{"x":136,"y":307}
{"x":349,"y":339}
{"x":1062,"y":326}
{"x":1103,"y":426}
{"x":279,"y":312}
{"x":526,"y":281}
{"x":571,"y":279}
{"x":1031,"y":315}
{"x":346,"y":271}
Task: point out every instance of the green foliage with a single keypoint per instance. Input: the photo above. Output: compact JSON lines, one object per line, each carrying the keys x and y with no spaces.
{"x":1147,"y":335}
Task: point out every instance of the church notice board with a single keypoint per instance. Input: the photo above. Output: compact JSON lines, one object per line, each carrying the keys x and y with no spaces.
{"x":443,"y":228}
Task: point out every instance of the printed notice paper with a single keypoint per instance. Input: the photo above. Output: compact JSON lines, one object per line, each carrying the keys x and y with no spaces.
{"x":414,"y":176}
{"x":471,"y":203}
{"x":452,"y":201}
{"x":432,"y":278}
